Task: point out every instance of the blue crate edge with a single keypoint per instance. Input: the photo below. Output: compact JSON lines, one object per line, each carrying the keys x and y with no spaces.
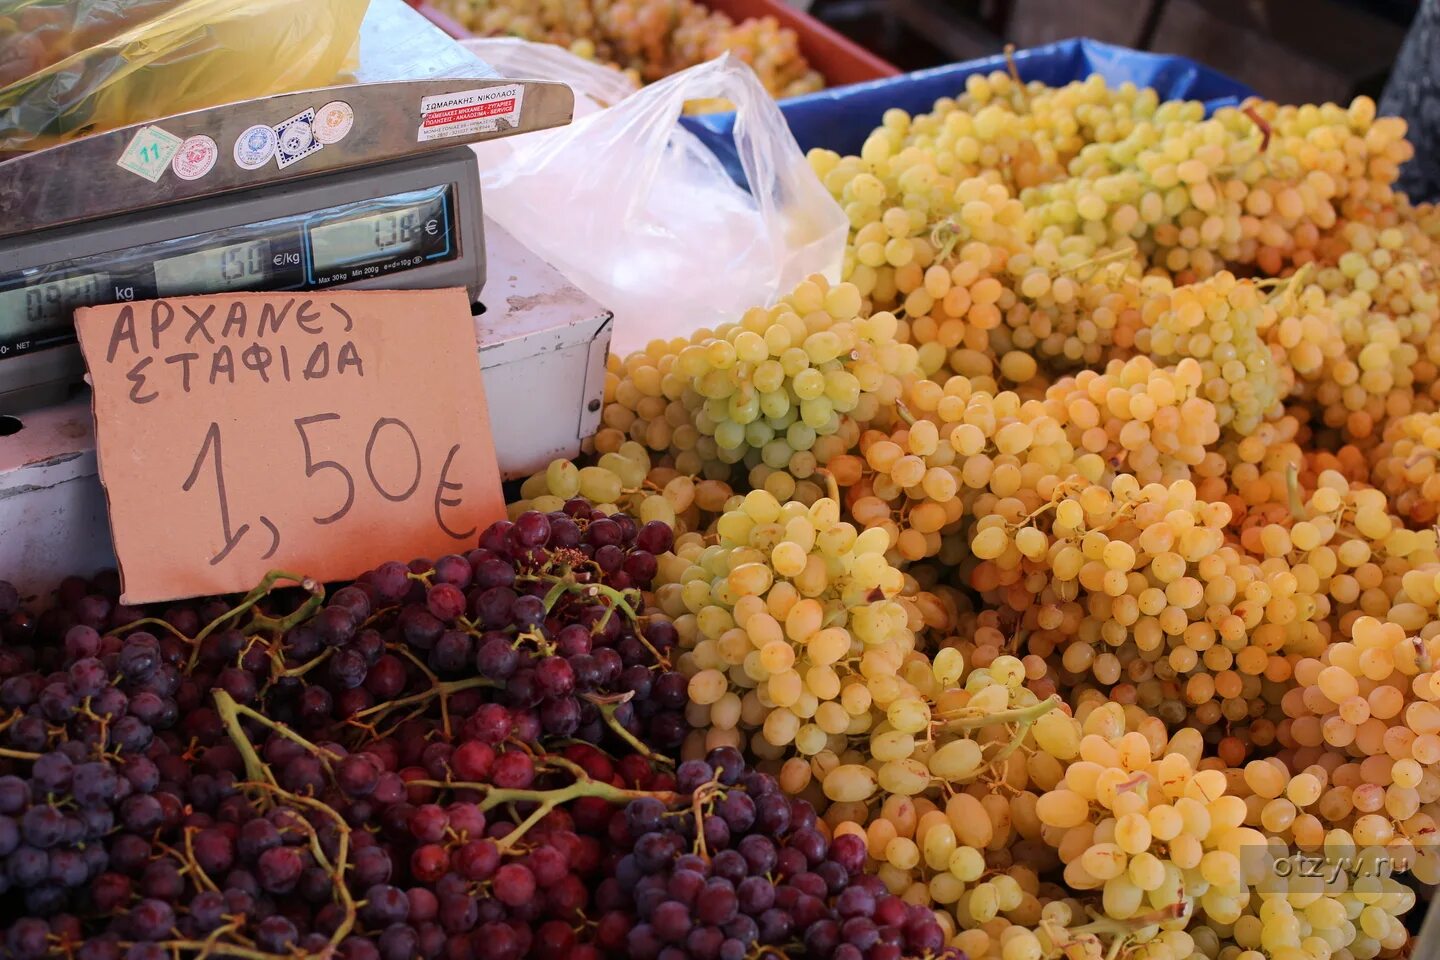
{"x":841,"y":118}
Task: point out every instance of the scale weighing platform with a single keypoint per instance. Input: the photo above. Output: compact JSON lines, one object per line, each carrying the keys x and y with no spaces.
{"x":368,"y":184}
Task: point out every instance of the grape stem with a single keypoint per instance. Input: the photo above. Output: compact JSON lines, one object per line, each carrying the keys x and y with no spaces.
{"x":1260,"y":122}
{"x":201,"y":876}
{"x":212,"y":947}
{"x":1292,"y":492}
{"x":255,"y":768}
{"x":608,"y":706}
{"x":439,"y":688}
{"x":832,"y":487}
{"x":150,"y":622}
{"x":326,"y":757}
{"x":1015,"y":70}
{"x":266,"y":584}
{"x":1025,"y":715}
{"x":617,"y":601}
{"x":1119,"y":253}
{"x":546,"y":799}
{"x":9,"y":754}
{"x":261,"y":778}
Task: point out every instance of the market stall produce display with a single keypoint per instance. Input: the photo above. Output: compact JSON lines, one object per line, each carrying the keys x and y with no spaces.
{"x":1061,"y":584}
{"x":650,"y":39}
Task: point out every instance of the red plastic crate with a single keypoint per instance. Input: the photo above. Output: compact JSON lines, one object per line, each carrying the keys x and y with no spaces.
{"x":840,"y":60}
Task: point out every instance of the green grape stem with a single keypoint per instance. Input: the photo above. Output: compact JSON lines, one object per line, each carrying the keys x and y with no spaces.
{"x":1025,"y":715}
{"x":260,"y":778}
{"x":229,"y":711}
{"x":260,"y":621}
{"x":547,"y":800}
{"x":607,"y":707}
{"x":1292,"y":492}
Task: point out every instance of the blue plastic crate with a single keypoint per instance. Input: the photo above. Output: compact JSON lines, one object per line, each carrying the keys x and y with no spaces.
{"x":840,"y":119}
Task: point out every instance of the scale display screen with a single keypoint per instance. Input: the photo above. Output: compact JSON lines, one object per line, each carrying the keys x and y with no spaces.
{"x":399,"y":235}
{"x":29,"y":315}
{"x":307,"y":250}
{"x":240,"y":266}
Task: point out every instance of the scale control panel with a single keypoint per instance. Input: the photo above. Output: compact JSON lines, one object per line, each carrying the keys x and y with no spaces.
{"x":414,"y":223}
{"x":337,"y":245}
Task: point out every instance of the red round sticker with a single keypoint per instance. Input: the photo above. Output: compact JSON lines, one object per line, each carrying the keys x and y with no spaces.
{"x":195,"y":158}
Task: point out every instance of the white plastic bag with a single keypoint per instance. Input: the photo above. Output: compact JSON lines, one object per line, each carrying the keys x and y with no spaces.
{"x":639,"y":214}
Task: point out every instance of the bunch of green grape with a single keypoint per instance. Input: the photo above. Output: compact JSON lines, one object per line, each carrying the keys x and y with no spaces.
{"x":765,"y":390}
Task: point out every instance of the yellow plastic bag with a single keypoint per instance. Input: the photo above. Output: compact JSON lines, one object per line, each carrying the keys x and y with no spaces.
{"x":69,"y":68}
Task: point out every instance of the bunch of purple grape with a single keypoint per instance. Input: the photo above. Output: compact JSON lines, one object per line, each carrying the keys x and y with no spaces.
{"x":86,"y":711}
{"x":533,"y":609}
{"x":299,"y":776}
{"x":753,"y":870}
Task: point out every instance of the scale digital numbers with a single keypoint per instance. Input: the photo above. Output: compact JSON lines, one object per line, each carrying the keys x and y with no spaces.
{"x":48,"y":302}
{"x":380,"y":236}
{"x":239,"y":266}
{"x":40,"y":308}
{"x":397,"y":228}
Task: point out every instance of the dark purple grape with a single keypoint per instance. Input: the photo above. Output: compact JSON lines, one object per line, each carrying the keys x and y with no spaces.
{"x":28,"y":939}
{"x":671,"y":691}
{"x":391,"y":581}
{"x":385,"y":905}
{"x":279,"y":869}
{"x":335,"y":625}
{"x":357,"y":776}
{"x":139,"y":656}
{"x":150,"y":920}
{"x":214,"y":851}
{"x":692,"y":774}
{"x":496,"y":658}
{"x":14,"y":793}
{"x":161,"y":880}
{"x":528,"y":611}
{"x":87,"y":676}
{"x":452,"y":652}
{"x":316,"y":705}
{"x":275,"y":935}
{"x":446,"y":602}
{"x":130,"y":734}
{"x":604,"y":533}
{"x":238,"y":684}
{"x":494,"y":572}
{"x":354,"y":599}
{"x":58,"y":702}
{"x":301,"y":644}
{"x":493,"y":606}
{"x":347,"y":668}
{"x":52,"y":772}
{"x":371,"y":866}
{"x":560,"y":718}
{"x":531,"y":529}
{"x":370,"y":644}
{"x":42,"y":827}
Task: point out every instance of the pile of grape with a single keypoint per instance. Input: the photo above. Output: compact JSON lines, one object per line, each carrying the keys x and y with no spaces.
{"x":464,"y":758}
{"x":1148,"y":414}
{"x":649,"y":39}
{"x":1060,"y":584}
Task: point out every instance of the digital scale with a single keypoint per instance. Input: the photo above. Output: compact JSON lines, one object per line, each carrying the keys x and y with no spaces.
{"x":368,"y":184}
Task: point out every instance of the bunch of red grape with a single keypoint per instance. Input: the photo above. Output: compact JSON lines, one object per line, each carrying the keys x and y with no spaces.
{"x":458,"y":759}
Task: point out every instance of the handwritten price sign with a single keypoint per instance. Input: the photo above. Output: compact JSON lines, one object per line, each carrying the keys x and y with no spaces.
{"x":323,"y":433}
